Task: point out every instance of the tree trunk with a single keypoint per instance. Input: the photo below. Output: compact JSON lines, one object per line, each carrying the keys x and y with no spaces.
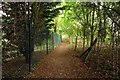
{"x":47,"y":34}
{"x":76,"y":43}
{"x":92,"y":28}
{"x":98,"y":45}
{"x":84,"y":43}
{"x":53,"y":40}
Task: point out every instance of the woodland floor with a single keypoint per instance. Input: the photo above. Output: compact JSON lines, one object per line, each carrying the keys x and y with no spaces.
{"x":63,"y":63}
{"x":60,"y":63}
{"x":17,"y":67}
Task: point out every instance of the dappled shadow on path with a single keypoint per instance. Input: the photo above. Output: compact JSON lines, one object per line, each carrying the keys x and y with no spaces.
{"x":62,"y":64}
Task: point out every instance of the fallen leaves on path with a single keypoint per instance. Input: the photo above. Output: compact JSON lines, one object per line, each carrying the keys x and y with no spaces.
{"x":62,"y":64}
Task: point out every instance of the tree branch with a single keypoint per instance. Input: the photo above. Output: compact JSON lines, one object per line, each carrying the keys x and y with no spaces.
{"x":85,"y":53}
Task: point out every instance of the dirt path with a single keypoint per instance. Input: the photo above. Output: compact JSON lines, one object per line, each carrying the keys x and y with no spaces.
{"x":62,"y":63}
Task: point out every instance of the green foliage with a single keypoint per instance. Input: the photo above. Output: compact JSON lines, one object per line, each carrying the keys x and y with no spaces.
{"x":19,"y":17}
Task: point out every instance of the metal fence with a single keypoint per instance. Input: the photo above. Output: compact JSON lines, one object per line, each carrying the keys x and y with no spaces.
{"x":15,"y":66}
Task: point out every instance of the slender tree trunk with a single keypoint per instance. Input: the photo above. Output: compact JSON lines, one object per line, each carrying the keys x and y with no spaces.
{"x":47,"y":34}
{"x":88,"y":44}
{"x":53,"y":40}
{"x":104,"y":15}
{"x":84,"y":43}
{"x":29,"y":27}
{"x":61,"y":37}
{"x":87,"y":16}
{"x":76,"y":43}
{"x":98,"y":45}
{"x":117,"y":56}
{"x":113,"y":49}
{"x":112,"y":36}
{"x":92,"y":28}
{"x":76,"y":40}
